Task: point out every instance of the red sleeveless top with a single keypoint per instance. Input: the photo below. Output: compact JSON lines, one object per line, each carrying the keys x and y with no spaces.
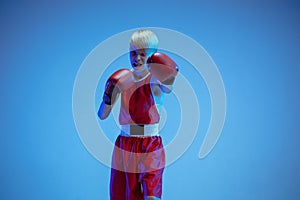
{"x":137,"y":104}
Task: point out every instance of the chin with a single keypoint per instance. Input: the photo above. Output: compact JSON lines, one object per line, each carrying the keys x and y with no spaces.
{"x":140,"y":68}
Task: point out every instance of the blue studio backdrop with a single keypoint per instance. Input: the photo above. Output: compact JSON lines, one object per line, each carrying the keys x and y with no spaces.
{"x":255,"y":45}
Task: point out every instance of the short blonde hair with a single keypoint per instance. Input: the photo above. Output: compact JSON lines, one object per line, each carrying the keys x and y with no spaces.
{"x":143,"y":39}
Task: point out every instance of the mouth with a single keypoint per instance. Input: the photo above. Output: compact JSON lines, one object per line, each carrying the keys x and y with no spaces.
{"x":137,"y":65}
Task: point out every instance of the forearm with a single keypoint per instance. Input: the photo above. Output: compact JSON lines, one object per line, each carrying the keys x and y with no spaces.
{"x":167,"y":85}
{"x":164,"y":69}
{"x":166,"y":88}
{"x":104,"y":110}
{"x":115,"y":84}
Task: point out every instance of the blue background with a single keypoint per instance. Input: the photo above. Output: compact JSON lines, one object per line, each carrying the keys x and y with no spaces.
{"x":255,"y":45}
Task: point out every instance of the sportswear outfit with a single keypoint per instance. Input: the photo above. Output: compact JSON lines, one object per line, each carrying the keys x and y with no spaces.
{"x":138,"y":159}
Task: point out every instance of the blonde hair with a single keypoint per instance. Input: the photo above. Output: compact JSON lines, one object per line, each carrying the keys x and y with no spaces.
{"x":143,"y":39}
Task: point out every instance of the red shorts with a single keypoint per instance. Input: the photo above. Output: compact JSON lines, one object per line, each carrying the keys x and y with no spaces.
{"x":137,"y":168}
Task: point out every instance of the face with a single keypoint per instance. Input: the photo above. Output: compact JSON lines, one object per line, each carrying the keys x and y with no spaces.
{"x":138,"y":58}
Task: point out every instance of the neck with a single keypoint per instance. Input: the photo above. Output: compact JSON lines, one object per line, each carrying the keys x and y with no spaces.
{"x":139,"y":74}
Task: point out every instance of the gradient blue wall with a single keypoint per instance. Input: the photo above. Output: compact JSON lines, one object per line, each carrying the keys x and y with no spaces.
{"x":255,"y":45}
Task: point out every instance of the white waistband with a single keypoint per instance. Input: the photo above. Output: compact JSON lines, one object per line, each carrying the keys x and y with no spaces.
{"x":149,"y":130}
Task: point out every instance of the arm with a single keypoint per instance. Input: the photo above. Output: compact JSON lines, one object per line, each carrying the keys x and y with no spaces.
{"x":104,"y":110}
{"x":167,"y":86}
{"x":116,"y":83}
{"x":164,"y":69}
{"x":110,"y":96}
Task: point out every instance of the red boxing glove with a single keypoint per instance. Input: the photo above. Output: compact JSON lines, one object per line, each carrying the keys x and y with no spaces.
{"x":162,"y":67}
{"x":118,"y":82}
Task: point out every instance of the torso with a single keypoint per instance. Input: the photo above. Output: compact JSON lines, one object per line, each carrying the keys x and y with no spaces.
{"x":140,"y":103}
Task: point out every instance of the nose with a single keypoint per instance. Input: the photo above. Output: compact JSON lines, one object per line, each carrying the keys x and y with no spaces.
{"x":138,"y":57}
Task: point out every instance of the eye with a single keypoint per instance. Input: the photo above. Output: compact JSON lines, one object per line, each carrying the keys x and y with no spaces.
{"x":132,"y":53}
{"x":142,"y":54}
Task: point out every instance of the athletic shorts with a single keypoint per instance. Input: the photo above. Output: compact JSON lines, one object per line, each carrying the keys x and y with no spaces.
{"x":137,"y":168}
